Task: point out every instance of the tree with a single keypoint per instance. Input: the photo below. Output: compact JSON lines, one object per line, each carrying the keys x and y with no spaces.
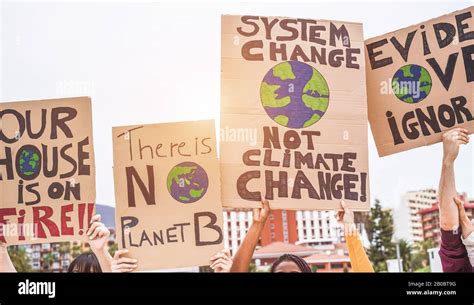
{"x":380,"y":231}
{"x":406,"y":250}
{"x":421,"y":256}
{"x":48,"y":260}
{"x":76,"y":250}
{"x":64,"y":248}
{"x":19,"y":259}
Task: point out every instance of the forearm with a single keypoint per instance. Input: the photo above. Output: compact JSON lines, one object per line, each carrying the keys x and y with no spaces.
{"x":449,"y":216}
{"x":359,"y":260}
{"x":6,"y":264}
{"x":243,"y":257}
{"x":466,"y":226}
{"x":104,"y":258}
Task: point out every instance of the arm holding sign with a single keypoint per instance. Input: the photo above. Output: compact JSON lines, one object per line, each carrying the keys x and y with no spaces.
{"x":449,"y":215}
{"x":359,"y":259}
{"x":453,"y":254}
{"x":98,"y":236}
{"x":244,"y":255}
{"x":6,"y":264}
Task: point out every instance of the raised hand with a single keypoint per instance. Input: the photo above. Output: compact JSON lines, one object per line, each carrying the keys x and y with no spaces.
{"x":346,"y":218}
{"x":260,"y":215}
{"x":221,"y":261}
{"x":98,"y":234}
{"x":452,"y":139}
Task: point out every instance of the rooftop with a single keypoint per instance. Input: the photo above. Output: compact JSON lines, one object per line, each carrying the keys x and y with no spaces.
{"x":326,"y":258}
{"x":435,"y":207}
{"x":277,"y":249}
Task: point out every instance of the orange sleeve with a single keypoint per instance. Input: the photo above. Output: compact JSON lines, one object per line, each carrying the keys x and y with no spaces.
{"x":359,"y":260}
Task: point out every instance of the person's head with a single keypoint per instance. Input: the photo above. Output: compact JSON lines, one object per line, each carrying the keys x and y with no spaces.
{"x":86,"y":262}
{"x":289,"y":263}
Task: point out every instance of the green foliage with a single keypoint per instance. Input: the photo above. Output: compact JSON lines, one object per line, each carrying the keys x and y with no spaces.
{"x":406,"y":250}
{"x":420,"y":260}
{"x":113,"y":248}
{"x":48,"y":260}
{"x":380,"y":231}
{"x":76,"y":250}
{"x":20,"y":259}
{"x":64,"y":248}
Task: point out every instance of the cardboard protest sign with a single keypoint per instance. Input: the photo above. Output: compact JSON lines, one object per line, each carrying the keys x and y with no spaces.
{"x":293,"y":113}
{"x":168,"y":209}
{"x":420,"y":82}
{"x":47,"y":170}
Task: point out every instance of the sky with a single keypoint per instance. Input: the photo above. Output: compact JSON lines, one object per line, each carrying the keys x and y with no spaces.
{"x":144,"y":62}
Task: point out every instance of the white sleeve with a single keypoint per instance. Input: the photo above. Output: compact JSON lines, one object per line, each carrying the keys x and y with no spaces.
{"x":469,"y":243}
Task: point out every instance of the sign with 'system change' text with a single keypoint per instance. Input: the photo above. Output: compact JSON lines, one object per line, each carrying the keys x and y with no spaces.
{"x":293,"y":113}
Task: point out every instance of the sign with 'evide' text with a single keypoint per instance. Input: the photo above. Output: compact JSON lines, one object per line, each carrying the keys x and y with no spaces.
{"x":420,"y":82}
{"x":293,"y":113}
{"x":168,"y":208}
{"x":47,"y":171}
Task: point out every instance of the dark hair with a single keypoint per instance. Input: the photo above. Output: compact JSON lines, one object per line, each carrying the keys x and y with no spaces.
{"x":86,"y":262}
{"x":301,"y":263}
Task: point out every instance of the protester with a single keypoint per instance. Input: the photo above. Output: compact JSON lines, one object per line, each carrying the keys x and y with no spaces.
{"x":293,"y":263}
{"x":98,"y":237}
{"x":99,"y":260}
{"x":85,"y":263}
{"x":289,"y":263}
{"x":6,"y":264}
{"x":221,"y":262}
{"x":359,"y":260}
{"x":453,"y":253}
{"x":467,"y":228}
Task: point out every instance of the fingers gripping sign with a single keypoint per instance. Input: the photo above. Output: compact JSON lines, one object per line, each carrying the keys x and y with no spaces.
{"x":345,"y":217}
{"x":121,"y":264}
{"x":221,"y":261}
{"x":260,"y":215}
{"x":98,"y":234}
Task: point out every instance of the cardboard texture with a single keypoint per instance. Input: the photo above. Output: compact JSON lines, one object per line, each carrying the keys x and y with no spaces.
{"x":168,"y":210}
{"x":420,"y":82}
{"x":47,"y":170}
{"x":293,"y":113}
